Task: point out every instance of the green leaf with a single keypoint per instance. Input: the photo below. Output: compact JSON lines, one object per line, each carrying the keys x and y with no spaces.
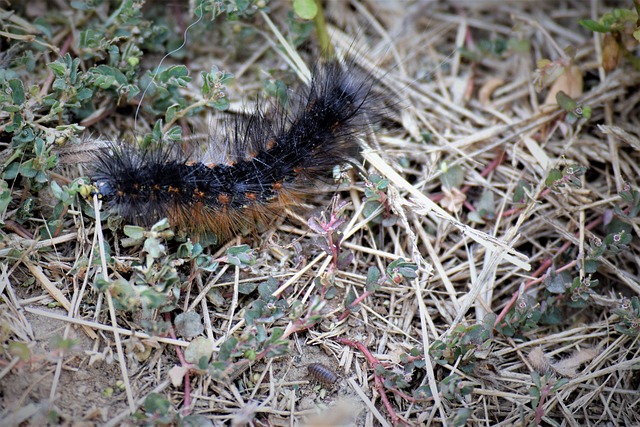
{"x":566,"y":102}
{"x":556,"y":283}
{"x":178,"y":73}
{"x":189,"y":324}
{"x":174,"y":134}
{"x":247,"y":288}
{"x":227,"y":348}
{"x":153,"y":247}
{"x":56,"y":190}
{"x":171,"y":112}
{"x":536,"y":380}
{"x":156,"y":134}
{"x":373,"y":278}
{"x":5,"y":196}
{"x":242,"y":5}
{"x":452,"y":177}
{"x":134,"y":232}
{"x":27,"y":169}
{"x":554,"y":176}
{"x":592,"y":25}
{"x":241,"y":256}
{"x":113,"y":72}
{"x":276,"y":333}
{"x":220,"y":104}
{"x":591,"y":265}
{"x":84,"y":94}
{"x":59,"y":84}
{"x":403,"y":268}
{"x":207,"y":263}
{"x":266,"y":289}
{"x":58,"y":68}
{"x":156,"y":403}
{"x":561,"y":383}
{"x":305,"y":9}
{"x":17,"y":91}
{"x":461,"y":417}
{"x":350,"y":298}
{"x":552,"y":317}
{"x":161,"y":225}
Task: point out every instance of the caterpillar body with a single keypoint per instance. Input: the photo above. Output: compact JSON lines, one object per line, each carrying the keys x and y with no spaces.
{"x":273,"y":158}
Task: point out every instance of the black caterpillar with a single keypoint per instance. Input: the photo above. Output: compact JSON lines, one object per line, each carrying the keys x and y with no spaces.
{"x":273,"y":158}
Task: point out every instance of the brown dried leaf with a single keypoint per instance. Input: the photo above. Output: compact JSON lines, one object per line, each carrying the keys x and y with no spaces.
{"x":610,"y":53}
{"x":569,"y":82}
{"x":487,"y":89}
{"x":453,"y":199}
{"x":176,"y":375}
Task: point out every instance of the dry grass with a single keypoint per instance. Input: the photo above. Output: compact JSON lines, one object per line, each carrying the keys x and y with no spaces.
{"x":485,"y":116}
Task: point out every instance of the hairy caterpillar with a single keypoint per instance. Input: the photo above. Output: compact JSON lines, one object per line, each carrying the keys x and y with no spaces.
{"x":273,"y":158}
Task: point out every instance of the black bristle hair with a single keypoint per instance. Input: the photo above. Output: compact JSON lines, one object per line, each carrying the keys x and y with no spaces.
{"x":275,"y":157}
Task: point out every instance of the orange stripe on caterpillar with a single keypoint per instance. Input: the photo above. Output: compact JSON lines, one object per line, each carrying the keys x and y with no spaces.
{"x":272,"y":162}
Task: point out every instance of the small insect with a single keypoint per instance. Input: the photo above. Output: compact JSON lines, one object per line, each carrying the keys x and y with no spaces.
{"x":322,"y":374}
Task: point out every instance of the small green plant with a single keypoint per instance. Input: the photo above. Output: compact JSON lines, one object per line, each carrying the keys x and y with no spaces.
{"x":564,"y":290}
{"x":620,"y":27}
{"x":388,"y":378}
{"x":542,"y":389}
{"x":619,"y":232}
{"x":156,"y":411}
{"x":631,"y":199}
{"x":454,"y":388}
{"x":155,"y":283}
{"x":234,"y":9}
{"x":524,"y":317}
{"x":574,"y":110}
{"x":395,"y":273}
{"x":260,"y":338}
{"x":569,"y":175}
{"x":463,"y":345}
{"x":45,"y":105}
{"x":629,"y":313}
{"x":497,"y":47}
{"x":375,"y":193}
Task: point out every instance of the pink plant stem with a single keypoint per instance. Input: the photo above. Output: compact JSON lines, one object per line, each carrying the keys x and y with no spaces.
{"x":187,"y":379}
{"x":353,"y":305}
{"x":373,"y":362}
{"x":540,"y":408}
{"x":63,"y":50}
